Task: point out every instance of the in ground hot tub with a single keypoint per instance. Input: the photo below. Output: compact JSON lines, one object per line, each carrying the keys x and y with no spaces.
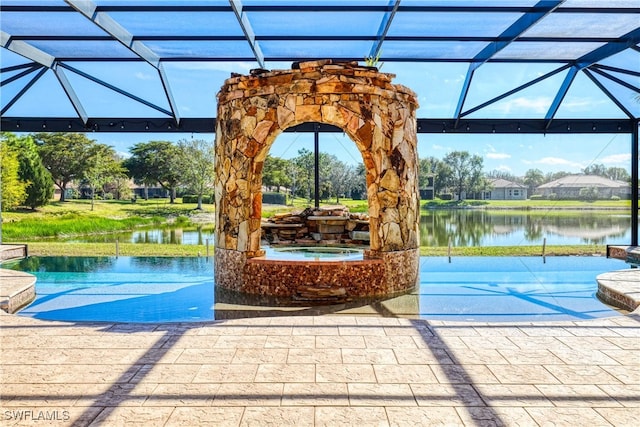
{"x":314,"y":253}
{"x":318,"y":273}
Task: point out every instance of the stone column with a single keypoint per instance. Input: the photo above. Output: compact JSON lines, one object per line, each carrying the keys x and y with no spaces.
{"x":380,"y":118}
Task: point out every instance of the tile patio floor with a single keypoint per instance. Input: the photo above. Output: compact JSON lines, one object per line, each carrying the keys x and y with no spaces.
{"x":321,"y":371}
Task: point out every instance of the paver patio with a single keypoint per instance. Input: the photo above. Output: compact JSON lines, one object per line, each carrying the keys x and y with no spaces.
{"x":321,"y":371}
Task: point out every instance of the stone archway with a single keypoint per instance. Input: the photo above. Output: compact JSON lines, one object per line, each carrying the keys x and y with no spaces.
{"x":377,"y":115}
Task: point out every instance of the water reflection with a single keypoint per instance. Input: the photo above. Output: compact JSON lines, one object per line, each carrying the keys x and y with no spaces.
{"x":465,"y":227}
{"x":474,"y":227}
{"x":173,"y":236}
{"x":64,"y":263}
{"x":167,"y":236}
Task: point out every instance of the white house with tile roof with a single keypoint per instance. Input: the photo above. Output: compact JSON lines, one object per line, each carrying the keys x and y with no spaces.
{"x":502,"y":189}
{"x":569,"y":187}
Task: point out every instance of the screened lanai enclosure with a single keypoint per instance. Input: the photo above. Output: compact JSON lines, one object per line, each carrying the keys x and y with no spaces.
{"x":478,"y":67}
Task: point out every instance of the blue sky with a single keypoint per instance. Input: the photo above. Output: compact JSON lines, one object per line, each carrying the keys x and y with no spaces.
{"x":437,"y":85}
{"x":510,"y":153}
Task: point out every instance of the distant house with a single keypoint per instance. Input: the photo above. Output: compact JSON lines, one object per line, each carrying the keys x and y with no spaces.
{"x":427,"y":192}
{"x":569,"y":187}
{"x":501,"y":189}
{"x":143,"y":192}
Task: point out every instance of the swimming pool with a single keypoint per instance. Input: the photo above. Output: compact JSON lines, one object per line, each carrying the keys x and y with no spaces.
{"x":157,"y":289}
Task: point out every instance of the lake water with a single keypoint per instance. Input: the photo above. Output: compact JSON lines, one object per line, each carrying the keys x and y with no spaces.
{"x":476,"y":227}
{"x":465,"y":227}
{"x":167,"y":236}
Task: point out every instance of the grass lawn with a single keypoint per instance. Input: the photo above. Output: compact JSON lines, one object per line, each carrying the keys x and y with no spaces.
{"x":149,"y":249}
{"x":75,"y":217}
{"x":527,"y":204}
{"x":109,"y":249}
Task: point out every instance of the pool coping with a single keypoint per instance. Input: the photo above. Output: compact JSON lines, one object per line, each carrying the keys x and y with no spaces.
{"x":17,"y":289}
{"x":620,"y":288}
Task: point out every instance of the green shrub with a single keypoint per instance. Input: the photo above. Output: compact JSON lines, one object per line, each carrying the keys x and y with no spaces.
{"x":192,"y":198}
{"x":536,"y":197}
{"x":182,"y":220}
{"x":552,"y":196}
{"x":274,"y":198}
{"x":446,"y":196}
{"x":615,"y":197}
{"x":588,"y":193}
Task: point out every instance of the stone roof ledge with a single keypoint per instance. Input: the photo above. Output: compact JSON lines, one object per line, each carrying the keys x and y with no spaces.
{"x":349,"y":76}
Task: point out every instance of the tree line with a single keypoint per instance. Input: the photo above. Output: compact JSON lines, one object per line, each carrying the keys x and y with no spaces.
{"x":297,"y":175}
{"x":461,"y":173}
{"x":33,"y":164}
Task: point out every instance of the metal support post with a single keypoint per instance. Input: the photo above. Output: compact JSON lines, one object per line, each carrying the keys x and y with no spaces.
{"x":316,"y":163}
{"x":634,"y":183}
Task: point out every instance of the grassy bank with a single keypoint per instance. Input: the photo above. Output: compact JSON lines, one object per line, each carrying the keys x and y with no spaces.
{"x":527,"y":204}
{"x":75,"y":218}
{"x":515,"y":205}
{"x":148,"y":249}
{"x":109,"y":249}
{"x":559,"y":250}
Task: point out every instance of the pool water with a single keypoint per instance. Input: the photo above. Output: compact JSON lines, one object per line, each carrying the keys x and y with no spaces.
{"x":122,"y":289}
{"x":319,"y":253}
{"x":513,"y":288}
{"x":159,"y":289}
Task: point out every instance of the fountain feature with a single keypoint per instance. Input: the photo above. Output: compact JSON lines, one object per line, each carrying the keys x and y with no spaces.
{"x":378,"y":116}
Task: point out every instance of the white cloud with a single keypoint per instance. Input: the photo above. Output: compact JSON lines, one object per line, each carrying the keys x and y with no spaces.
{"x":617,"y":159}
{"x":492,"y":153}
{"x":438,"y":147}
{"x":460,"y":78}
{"x":538,"y":104}
{"x":578,"y":103}
{"x":583,"y":104}
{"x":143,"y":76}
{"x":504,"y":168}
{"x":498,"y":156}
{"x":228,"y":67}
{"x":558,"y":161}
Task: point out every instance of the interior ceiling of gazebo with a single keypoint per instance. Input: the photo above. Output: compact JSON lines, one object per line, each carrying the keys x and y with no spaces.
{"x":152,"y":65}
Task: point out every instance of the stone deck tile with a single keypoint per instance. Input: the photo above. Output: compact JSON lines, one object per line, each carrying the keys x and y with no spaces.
{"x":442,"y":416}
{"x":350,"y":416}
{"x":315,"y":394}
{"x":294,"y":416}
{"x":314,"y":355}
{"x":570,"y":417}
{"x":368,"y":355}
{"x":576,"y":395}
{"x":249,"y":394}
{"x":205,"y":416}
{"x":365,"y":394}
{"x":317,"y":371}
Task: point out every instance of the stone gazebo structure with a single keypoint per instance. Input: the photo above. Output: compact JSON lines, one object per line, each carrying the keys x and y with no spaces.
{"x":380,"y":117}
